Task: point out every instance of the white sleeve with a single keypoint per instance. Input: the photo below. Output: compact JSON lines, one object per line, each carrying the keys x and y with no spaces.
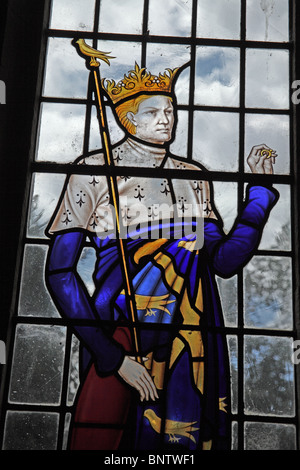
{"x":82,"y":196}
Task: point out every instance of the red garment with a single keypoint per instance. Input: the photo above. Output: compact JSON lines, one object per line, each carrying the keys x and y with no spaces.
{"x":103,"y":401}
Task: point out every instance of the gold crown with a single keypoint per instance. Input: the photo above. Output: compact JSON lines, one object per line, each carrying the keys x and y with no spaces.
{"x":139,"y":81}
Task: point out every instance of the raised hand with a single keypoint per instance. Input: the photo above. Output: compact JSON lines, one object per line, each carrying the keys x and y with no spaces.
{"x":261,"y":159}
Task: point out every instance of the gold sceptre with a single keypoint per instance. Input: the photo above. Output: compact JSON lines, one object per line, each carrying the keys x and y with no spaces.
{"x":94,"y":66}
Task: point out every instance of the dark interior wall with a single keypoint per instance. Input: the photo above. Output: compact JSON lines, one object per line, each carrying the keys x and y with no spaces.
{"x":21,"y":43}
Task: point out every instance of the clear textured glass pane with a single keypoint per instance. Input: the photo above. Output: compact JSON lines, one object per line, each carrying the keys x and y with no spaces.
{"x":126,"y":55}
{"x":267,"y":78}
{"x":273,"y":131}
{"x":225,"y":200}
{"x":37,"y":365}
{"x":270,"y":436}
{"x":30,"y":430}
{"x":217,"y":76}
{"x":68,"y":418}
{"x":277,"y":231}
{"x":95,"y":141}
{"x":179,"y":146}
{"x":61,"y":132}
{"x":234,"y":434}
{"x":74,"y":371}
{"x":34,"y":297}
{"x":268,"y":292}
{"x":268,"y":20}
{"x":45,"y":192}
{"x":72,"y":14}
{"x":85,"y":268}
{"x":116,"y":132}
{"x":269,"y":376}
{"x":169,"y":18}
{"x":66,"y":75}
{"x":219,"y":19}
{"x":228,"y":294}
{"x":233,"y":358}
{"x":219,"y":153}
{"x":163,"y":56}
{"x":117,"y":16}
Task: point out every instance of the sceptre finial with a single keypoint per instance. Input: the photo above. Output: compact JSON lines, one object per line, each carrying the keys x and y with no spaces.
{"x":89,"y":51}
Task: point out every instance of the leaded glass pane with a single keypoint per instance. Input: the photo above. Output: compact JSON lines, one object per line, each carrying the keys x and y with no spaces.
{"x":178,"y":55}
{"x":85,"y":268}
{"x":225,"y":199}
{"x":74,"y":381}
{"x":180,"y":144}
{"x":72,"y":14}
{"x":64,"y":75}
{"x":272,"y":130}
{"x":37,"y":366}
{"x":277,"y":233}
{"x":234,"y":445}
{"x":170,"y":18}
{"x":268,"y":20}
{"x":267,"y":78}
{"x":216,"y":154}
{"x":228,"y":293}
{"x":270,"y":436}
{"x":34,"y":296}
{"x":41,"y":430}
{"x":233,"y":355}
{"x":126,"y":53}
{"x":45,"y":191}
{"x":121,"y":17}
{"x":269,"y":376}
{"x":61,"y":132}
{"x":68,"y":418}
{"x":219,"y":20}
{"x":217,"y":76}
{"x":268,"y":293}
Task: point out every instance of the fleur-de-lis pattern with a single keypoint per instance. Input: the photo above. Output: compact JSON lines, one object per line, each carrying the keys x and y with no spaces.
{"x":81,"y":195}
{"x":86,"y":202}
{"x":94,"y":181}
{"x":165,"y":187}
{"x":94,"y":220}
{"x":139,"y":192}
{"x":66,"y":217}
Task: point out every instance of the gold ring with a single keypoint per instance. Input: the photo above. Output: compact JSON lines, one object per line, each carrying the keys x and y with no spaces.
{"x":266,"y":152}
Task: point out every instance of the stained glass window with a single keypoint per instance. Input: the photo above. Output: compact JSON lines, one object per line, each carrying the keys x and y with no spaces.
{"x":215,"y":324}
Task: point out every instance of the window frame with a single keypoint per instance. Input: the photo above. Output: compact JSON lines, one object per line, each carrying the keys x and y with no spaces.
{"x":23,"y":107}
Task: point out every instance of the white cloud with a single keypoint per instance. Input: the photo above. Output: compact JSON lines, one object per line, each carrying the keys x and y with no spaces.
{"x":219,"y":19}
{"x":170,"y":18}
{"x":217,"y":76}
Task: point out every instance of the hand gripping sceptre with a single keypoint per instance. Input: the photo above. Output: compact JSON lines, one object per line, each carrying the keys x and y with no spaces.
{"x":94,"y":65}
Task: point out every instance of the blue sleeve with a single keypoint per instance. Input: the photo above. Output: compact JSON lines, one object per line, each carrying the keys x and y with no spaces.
{"x":73,"y":301}
{"x":228,"y":253}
